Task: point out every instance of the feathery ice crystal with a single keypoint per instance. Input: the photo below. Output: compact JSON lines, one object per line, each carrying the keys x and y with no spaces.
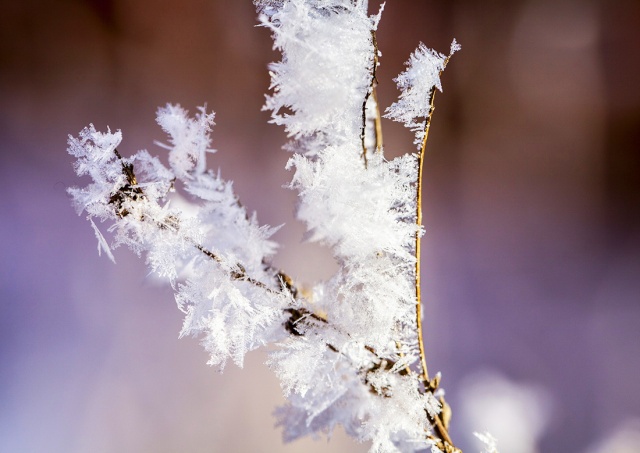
{"x":348,"y":351}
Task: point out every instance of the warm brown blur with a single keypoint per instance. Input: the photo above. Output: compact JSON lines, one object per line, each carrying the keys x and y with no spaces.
{"x":532,"y":215}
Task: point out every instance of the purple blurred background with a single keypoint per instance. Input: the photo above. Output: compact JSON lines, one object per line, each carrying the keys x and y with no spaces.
{"x":532,"y":213}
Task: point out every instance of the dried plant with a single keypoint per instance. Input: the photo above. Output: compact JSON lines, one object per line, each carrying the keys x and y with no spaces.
{"x":349,"y":350}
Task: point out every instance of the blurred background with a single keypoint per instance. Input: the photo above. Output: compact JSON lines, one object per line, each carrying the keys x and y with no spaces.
{"x":531,"y":259}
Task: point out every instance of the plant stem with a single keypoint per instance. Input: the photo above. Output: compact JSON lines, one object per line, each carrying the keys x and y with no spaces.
{"x":427,"y":125}
{"x":371,"y":92}
{"x":440,"y":427}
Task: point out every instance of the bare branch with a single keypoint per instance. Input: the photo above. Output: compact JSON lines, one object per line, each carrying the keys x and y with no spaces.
{"x":441,"y":421}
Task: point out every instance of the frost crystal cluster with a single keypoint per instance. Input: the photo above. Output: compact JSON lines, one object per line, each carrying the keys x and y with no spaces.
{"x":349,"y":349}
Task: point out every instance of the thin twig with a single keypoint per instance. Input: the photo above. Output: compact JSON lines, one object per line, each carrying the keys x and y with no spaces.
{"x":429,"y":385}
{"x":371,"y":92}
{"x":423,"y":361}
{"x":427,"y":125}
{"x":132,"y":191}
{"x":377,"y":122}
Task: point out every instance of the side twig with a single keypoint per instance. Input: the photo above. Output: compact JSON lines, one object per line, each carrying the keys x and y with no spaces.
{"x":297,"y":316}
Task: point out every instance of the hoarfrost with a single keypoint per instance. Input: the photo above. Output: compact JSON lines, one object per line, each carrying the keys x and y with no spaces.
{"x":347,"y":352}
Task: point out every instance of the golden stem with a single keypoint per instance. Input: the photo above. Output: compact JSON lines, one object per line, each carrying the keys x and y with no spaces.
{"x":423,"y":360}
{"x":427,"y":125}
{"x":430,"y":385}
{"x":377,"y":122}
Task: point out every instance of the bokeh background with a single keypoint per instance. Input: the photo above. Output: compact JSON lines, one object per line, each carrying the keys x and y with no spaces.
{"x":531,"y":270}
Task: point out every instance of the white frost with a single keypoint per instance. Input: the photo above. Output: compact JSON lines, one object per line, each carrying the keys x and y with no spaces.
{"x":416,"y":84}
{"x":349,"y":356}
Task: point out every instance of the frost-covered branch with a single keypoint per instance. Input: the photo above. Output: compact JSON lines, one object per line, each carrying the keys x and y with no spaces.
{"x":417,"y":100}
{"x":348,"y":350}
{"x":418,"y":84}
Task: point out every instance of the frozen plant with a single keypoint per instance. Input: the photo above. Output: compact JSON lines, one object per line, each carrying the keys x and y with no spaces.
{"x":349,"y":350}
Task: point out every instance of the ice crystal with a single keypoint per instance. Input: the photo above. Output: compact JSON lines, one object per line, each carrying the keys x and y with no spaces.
{"x":417,"y":85}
